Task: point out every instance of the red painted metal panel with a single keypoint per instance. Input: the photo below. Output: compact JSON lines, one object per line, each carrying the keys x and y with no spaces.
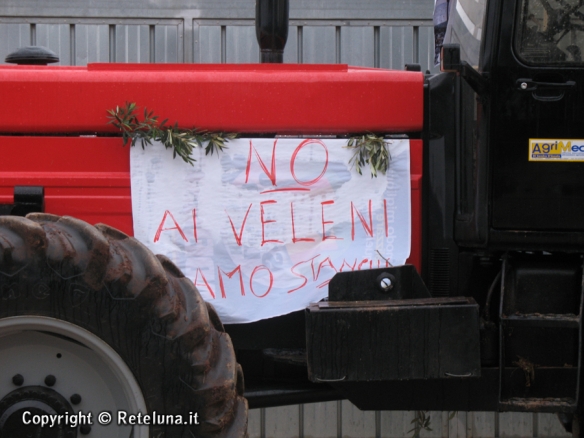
{"x":84,"y":177}
{"x":89,"y":178}
{"x":416,"y":171}
{"x":262,"y":98}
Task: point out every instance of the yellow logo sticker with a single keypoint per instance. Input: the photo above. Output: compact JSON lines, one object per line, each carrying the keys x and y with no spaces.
{"x":547,"y":149}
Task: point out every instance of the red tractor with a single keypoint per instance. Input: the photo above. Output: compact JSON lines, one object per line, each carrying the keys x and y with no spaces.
{"x":487,"y":315}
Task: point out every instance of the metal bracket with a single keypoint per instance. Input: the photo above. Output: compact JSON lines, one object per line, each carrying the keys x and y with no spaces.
{"x":27,"y":199}
{"x":391,"y":283}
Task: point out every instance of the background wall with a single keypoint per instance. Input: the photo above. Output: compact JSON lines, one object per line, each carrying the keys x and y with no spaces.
{"x":376,"y":33}
{"x":342,"y":419}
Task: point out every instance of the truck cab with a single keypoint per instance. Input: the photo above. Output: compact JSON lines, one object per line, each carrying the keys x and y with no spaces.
{"x":504,"y":191}
{"x":502,"y":221}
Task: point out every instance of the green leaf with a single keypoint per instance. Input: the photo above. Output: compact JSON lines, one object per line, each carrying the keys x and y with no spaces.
{"x":181,"y":141}
{"x":372,"y":150}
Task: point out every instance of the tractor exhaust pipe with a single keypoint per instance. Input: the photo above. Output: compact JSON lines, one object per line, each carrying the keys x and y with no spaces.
{"x":272,"y":29}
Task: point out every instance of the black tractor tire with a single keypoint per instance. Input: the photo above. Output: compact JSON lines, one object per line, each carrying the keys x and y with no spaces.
{"x":141,"y":305}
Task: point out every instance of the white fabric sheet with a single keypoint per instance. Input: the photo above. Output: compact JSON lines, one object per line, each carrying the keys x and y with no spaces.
{"x":262,"y":228}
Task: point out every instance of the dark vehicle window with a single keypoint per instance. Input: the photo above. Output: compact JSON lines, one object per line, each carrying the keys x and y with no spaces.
{"x":465,"y":27}
{"x":550,"y":32}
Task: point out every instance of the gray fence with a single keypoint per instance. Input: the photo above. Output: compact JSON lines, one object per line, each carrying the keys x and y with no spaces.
{"x":385,"y":43}
{"x":342,"y":419}
{"x":374,"y":33}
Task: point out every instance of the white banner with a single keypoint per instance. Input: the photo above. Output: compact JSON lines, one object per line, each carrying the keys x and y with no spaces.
{"x":262,"y":228}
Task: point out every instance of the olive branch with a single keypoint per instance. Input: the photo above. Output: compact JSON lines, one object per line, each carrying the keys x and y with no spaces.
{"x":421,"y":422}
{"x":370,"y":149}
{"x":149,"y":129}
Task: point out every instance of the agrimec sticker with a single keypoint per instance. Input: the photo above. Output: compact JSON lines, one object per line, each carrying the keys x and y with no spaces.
{"x":546,"y":149}
{"x":261,"y":228}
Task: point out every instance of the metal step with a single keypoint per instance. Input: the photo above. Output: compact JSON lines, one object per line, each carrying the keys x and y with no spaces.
{"x":547,"y":404}
{"x":541,"y":320}
{"x":528,"y":283}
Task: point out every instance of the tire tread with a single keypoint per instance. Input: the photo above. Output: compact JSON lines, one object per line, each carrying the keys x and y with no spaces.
{"x":179,"y":333}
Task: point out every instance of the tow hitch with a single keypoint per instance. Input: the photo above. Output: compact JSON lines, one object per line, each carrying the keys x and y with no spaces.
{"x":383,"y":325}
